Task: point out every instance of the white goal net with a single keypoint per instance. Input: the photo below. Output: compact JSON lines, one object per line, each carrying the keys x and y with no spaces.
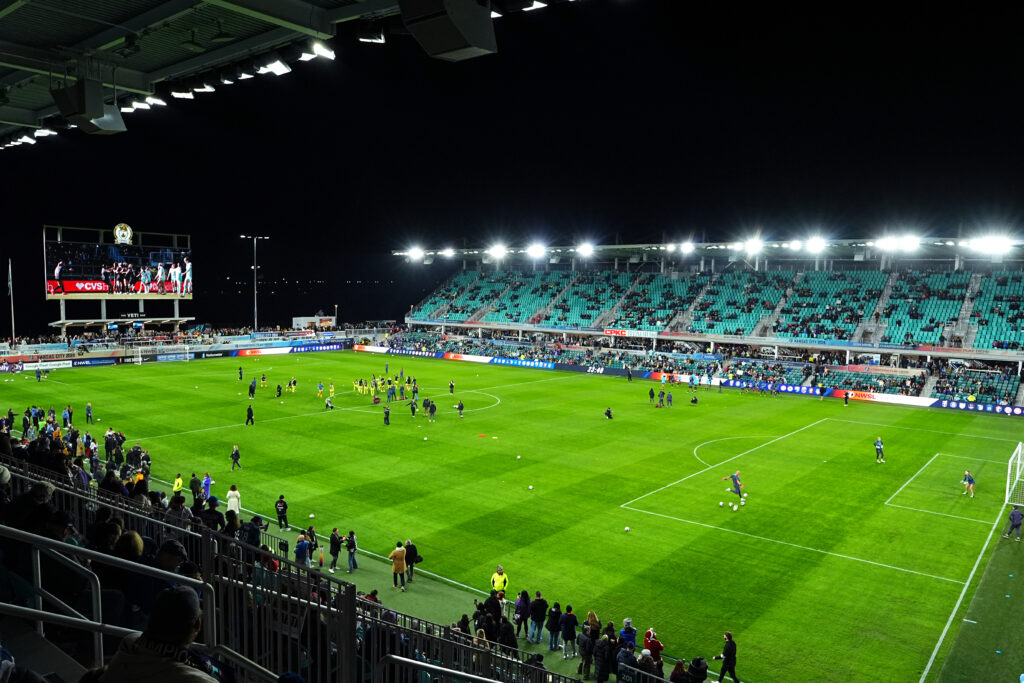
{"x":1015,"y":477}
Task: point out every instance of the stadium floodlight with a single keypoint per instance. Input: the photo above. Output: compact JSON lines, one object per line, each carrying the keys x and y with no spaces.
{"x":27,"y":139}
{"x":155,"y":101}
{"x":670,"y":246}
{"x":498,"y":251}
{"x":141,"y":104}
{"x":495,"y":15}
{"x":686,"y":247}
{"x":816,"y":245}
{"x":447,"y":252}
{"x":909,"y":242}
{"x":182,"y":93}
{"x":585,"y":250}
{"x":536,"y":251}
{"x":753,"y":245}
{"x":796,"y":245}
{"x":204,"y":86}
{"x":415,"y":254}
{"x":321,"y":50}
{"x":537,"y":4}
{"x":43,"y":132}
{"x":255,"y":289}
{"x":992,"y":244}
{"x":888,"y":243}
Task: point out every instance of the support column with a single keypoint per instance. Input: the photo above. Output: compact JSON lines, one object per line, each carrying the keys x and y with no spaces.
{"x":177,"y":313}
{"x":103,"y":309}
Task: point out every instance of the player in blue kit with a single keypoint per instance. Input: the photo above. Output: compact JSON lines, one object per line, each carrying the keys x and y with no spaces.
{"x":737,"y":485}
{"x":879,"y":453}
{"x":968,"y":481}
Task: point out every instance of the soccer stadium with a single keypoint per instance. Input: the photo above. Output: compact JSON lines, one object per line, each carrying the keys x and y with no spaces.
{"x":668,"y":343}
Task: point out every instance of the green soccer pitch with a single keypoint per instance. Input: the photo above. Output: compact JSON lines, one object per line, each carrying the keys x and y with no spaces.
{"x":836,"y":568}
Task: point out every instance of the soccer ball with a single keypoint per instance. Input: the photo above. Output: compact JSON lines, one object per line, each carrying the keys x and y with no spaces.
{"x":197,"y":386}
{"x":282,"y":402}
{"x":744,"y":495}
{"x":239,"y":393}
{"x":531,"y":487}
{"x":735,"y":508}
{"x":743,"y":502}
{"x":519,"y":457}
{"x":311,"y":515}
{"x":627,"y":528}
{"x":720,"y":503}
{"x":424,"y":438}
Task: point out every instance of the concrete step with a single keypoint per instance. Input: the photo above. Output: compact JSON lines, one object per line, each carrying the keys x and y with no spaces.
{"x":37,"y":653}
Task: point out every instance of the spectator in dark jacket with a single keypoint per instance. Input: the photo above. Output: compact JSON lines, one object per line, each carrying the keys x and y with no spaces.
{"x":554,"y":614}
{"x":522,"y":613}
{"x":728,"y":657}
{"x":567,"y":623}
{"x":211,"y":516}
{"x":604,"y":653}
{"x":538,"y":611}
{"x":493,"y":606}
{"x":507,"y":636}
{"x":411,"y":558}
{"x":625,"y":657}
{"x":586,"y":650}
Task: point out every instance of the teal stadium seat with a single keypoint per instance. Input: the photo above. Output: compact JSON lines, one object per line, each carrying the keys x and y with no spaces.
{"x":830,"y":305}
{"x":997,"y":311}
{"x":921,"y":304}
{"x":738,"y":300}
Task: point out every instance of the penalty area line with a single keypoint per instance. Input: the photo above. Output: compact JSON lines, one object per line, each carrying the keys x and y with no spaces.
{"x":709,"y":467}
{"x":796,"y":545}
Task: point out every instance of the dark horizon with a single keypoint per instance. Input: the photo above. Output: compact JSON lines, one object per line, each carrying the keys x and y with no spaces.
{"x":606,"y":120}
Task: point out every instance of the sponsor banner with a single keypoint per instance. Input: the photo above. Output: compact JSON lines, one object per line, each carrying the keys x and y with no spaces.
{"x":48,"y":365}
{"x":371,"y":349}
{"x":316,"y":347}
{"x":172,"y":357}
{"x":414,"y":352}
{"x":215,"y":354}
{"x":263,"y":351}
{"x":299,"y":333}
{"x":615,"y":333}
{"x":328,"y":335}
{"x":681,"y":378}
{"x":978,"y":407}
{"x":11,"y":367}
{"x":631,"y":333}
{"x":70,"y":287}
{"x":783,"y":388}
{"x":473,"y":359}
{"x":86,"y":362}
{"x":506,"y":361}
{"x":595,"y":370}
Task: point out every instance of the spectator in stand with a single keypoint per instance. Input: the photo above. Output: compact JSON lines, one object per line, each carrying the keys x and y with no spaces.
{"x":652,"y":643}
{"x":174,"y":623}
{"x":604,"y":658}
{"x":538,"y":612}
{"x":679,"y":673}
{"x":211,"y":516}
{"x":628,"y":633}
{"x":302,"y":551}
{"x":177,"y":514}
{"x":625,"y":658}
{"x":351,"y":547}
{"x":586,"y":650}
{"x":507,"y":637}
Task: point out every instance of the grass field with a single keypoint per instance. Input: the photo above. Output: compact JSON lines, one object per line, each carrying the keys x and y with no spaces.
{"x":837,"y":568}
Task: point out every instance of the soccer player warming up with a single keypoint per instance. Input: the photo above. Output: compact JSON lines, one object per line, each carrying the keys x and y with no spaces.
{"x":608,"y":413}
{"x":879,"y":453}
{"x":968,"y":481}
{"x":1013,"y":523}
{"x":736,"y":484}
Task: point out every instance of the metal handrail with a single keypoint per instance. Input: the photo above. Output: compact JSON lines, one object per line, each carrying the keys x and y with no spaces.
{"x":61,"y":620}
{"x":95,"y":593}
{"x":209,"y":622}
{"x":378,"y":677}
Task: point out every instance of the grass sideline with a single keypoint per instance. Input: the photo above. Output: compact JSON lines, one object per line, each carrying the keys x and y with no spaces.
{"x":848,"y":566}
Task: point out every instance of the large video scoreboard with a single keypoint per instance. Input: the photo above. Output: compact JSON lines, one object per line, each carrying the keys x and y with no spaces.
{"x":115,"y":263}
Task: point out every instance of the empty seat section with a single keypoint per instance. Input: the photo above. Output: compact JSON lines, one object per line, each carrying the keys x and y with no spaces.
{"x":922,"y":304}
{"x":997,"y":311}
{"x":830,"y":305}
{"x":486,"y":289}
{"x":592,"y":294}
{"x":530,"y":293}
{"x":656,"y":300}
{"x":737,"y":301}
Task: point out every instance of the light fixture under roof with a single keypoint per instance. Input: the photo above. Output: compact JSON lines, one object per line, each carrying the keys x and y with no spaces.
{"x":191,"y":43}
{"x":536,"y":251}
{"x":221,"y":36}
{"x":180,"y":92}
{"x":155,"y":101}
{"x":374,"y":34}
{"x":585,"y":249}
{"x":447,"y":252}
{"x":686,"y":247}
{"x":537,"y":4}
{"x":415,"y":254}
{"x":498,"y":251}
{"x":27,"y":139}
{"x":273,"y":64}
{"x":816,"y":245}
{"x":204,"y":85}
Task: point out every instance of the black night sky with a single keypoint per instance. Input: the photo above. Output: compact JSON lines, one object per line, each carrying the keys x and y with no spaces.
{"x":627,"y":120}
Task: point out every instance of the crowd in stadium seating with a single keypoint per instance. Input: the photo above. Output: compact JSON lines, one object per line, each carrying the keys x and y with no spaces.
{"x":872,"y":382}
{"x":962,"y":384}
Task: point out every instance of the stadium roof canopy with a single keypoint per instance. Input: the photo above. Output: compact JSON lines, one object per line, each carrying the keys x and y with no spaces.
{"x":131,"y":49}
{"x":994,"y":247}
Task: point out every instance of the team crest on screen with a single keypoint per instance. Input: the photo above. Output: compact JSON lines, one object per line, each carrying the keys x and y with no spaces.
{"x":122,"y":234}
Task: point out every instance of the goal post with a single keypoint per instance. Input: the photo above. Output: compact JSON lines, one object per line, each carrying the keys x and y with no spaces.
{"x":1015,"y":477}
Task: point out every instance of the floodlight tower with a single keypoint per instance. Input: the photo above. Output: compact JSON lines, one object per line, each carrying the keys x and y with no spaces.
{"x":255,"y":306}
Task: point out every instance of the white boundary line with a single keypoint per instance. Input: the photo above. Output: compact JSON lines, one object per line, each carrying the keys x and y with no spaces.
{"x":918,"y":429}
{"x":727,"y":438}
{"x":940,"y":514}
{"x":923,"y":467}
{"x":679,"y":481}
{"x":968,"y":457}
{"x":959,"y":601}
{"x":795,"y":545}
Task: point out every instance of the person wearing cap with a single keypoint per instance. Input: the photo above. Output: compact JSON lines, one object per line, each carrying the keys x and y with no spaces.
{"x":646,"y":663}
{"x":628,"y":633}
{"x":163,"y":647}
{"x":499,"y":579}
{"x":211,"y":516}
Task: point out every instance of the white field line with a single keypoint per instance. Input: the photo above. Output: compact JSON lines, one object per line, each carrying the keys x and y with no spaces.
{"x":970,"y":621}
{"x":969,"y":457}
{"x":918,"y":429}
{"x":912,"y":478}
{"x":689,"y":476}
{"x":727,"y":438}
{"x":941,"y":514}
{"x":795,"y":545}
{"x":959,"y":601}
{"x":272,"y":516}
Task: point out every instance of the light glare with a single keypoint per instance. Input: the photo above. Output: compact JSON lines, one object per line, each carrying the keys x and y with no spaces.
{"x":686,"y":247}
{"x":585,"y":249}
{"x":816,"y":245}
{"x":416,"y":254}
{"x":535,"y":251}
{"x":753,"y":246}
{"x":498,"y":251}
